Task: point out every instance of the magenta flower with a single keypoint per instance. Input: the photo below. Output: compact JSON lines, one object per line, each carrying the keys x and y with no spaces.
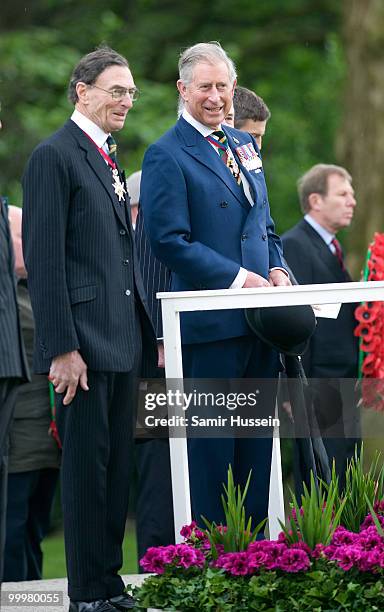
{"x":294,"y":560}
{"x":187,"y":530}
{"x":343,"y":536}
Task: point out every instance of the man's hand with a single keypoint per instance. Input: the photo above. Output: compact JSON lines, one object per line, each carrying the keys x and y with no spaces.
{"x":255,"y":280}
{"x":66,"y":372}
{"x":160,"y":355}
{"x":277,"y":278}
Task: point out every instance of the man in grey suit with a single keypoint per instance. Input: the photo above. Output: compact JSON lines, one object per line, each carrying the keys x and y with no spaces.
{"x":91,"y":319}
{"x":13,"y":368}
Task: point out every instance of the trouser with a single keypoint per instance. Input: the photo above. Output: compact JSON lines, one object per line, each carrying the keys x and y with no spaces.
{"x":209,"y":458}
{"x":96,"y":430}
{"x":8,"y":392}
{"x":30,"y":498}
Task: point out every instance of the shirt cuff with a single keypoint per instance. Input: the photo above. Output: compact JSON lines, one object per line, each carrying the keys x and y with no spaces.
{"x":239,"y":279}
{"x":281,"y":269}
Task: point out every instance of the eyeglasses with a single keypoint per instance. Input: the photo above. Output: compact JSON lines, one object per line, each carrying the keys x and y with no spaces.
{"x":118,"y":93}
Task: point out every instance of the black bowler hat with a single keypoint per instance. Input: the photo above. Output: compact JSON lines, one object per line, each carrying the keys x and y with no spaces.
{"x":285,"y":328}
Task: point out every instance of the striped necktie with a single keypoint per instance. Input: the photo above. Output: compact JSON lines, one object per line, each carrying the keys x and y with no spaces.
{"x":220,"y":141}
{"x":112,"y":148}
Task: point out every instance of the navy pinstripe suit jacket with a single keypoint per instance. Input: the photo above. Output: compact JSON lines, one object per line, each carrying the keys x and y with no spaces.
{"x":83,"y":272}
{"x":12,"y":356}
{"x":156,"y":276}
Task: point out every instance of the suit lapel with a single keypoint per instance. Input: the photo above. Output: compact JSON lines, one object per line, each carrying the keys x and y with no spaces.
{"x":197,"y":147}
{"x":100,"y":168}
{"x":325,"y":253}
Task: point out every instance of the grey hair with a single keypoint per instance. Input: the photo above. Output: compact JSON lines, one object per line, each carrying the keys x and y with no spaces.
{"x":210,"y":53}
{"x":91,"y":66}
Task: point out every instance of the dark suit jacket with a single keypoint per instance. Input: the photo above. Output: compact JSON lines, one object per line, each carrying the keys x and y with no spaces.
{"x":201,"y":225}
{"x":333,"y":348}
{"x":156,"y":276}
{"x":83,"y":273}
{"x":12,"y":356}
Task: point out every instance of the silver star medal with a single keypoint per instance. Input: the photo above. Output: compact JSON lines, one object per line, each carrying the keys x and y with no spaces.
{"x":118,"y":185}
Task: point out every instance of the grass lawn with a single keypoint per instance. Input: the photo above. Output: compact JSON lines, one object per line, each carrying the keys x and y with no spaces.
{"x":54,"y":557}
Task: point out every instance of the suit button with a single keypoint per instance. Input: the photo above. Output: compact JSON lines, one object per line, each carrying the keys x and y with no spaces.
{"x":125,"y":262}
{"x":264,"y":236}
{"x":244,"y":237}
{"x":264,"y":202}
{"x":127,"y":292}
{"x":122,"y":232}
{"x":223,"y":204}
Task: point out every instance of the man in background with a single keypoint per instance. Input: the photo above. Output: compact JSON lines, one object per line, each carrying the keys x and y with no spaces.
{"x":133,"y":188}
{"x":251,"y":113}
{"x":34,"y":456}
{"x":13,"y":366}
{"x":314,"y":254}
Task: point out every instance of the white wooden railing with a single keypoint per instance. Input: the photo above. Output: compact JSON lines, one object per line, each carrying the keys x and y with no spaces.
{"x":188,"y":301}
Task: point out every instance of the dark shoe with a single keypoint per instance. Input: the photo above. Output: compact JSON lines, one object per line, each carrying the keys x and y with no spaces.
{"x":122,"y":602}
{"x":91,"y":606}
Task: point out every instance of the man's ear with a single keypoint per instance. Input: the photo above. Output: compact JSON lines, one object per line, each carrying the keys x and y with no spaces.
{"x":314,"y":201}
{"x":82,"y":92}
{"x":181,"y":88}
{"x":233,"y":87}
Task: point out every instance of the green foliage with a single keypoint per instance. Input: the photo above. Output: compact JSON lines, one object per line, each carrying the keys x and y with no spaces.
{"x":288,"y":51}
{"x":237,"y":533}
{"x":362,"y":489}
{"x":324,"y":589}
{"x":317,"y":518}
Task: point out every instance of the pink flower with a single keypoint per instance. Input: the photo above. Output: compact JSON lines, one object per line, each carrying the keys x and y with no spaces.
{"x":187,"y":530}
{"x":294,"y":560}
{"x":347,"y":556}
{"x":318,"y":551}
{"x":343,"y":536}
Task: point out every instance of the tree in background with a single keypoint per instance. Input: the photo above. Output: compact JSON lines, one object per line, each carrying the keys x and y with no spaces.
{"x":288,"y":51}
{"x":361,"y":138}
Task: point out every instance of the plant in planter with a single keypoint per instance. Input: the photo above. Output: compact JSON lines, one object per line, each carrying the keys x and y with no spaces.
{"x":316,"y":564}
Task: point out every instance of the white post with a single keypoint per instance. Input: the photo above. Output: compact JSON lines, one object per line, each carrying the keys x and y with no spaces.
{"x":177,"y":445}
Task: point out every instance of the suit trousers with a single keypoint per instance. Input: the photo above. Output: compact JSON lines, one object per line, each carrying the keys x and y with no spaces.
{"x":96,"y":430}
{"x":8,"y":392}
{"x":209,"y":458}
{"x":30,"y":498}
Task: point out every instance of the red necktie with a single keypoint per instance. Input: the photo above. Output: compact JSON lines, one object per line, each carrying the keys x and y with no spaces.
{"x":338,"y":252}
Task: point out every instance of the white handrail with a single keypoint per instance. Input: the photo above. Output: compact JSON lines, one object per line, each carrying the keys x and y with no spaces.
{"x":187,"y":301}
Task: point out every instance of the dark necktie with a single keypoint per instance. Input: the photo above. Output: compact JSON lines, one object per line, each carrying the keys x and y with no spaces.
{"x":338,"y":252}
{"x":220,"y":141}
{"x":112,"y":148}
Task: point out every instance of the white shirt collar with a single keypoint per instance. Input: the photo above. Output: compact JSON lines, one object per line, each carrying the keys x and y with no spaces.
{"x":323,"y":233}
{"x":94,"y":131}
{"x":200,"y":127}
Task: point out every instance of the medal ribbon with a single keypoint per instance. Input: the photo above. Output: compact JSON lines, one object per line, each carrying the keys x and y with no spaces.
{"x":103,"y":153}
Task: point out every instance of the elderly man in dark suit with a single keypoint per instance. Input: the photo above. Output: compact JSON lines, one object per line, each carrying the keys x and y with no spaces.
{"x":315,"y":256}
{"x":91,"y":319}
{"x":206,"y":213}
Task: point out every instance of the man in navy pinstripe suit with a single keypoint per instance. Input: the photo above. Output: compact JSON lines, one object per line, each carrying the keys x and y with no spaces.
{"x":212,"y":228}
{"x":91,"y":319}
